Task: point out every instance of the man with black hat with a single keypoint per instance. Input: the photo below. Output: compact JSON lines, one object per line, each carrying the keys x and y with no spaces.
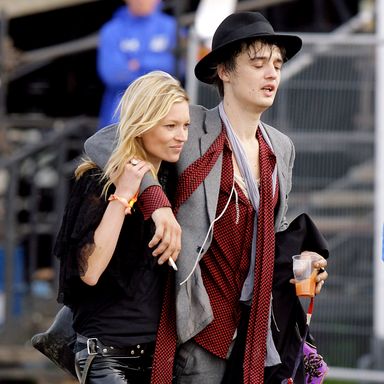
{"x":234,"y":180}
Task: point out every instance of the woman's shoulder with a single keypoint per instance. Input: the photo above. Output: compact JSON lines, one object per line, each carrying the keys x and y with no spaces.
{"x":85,"y":188}
{"x":90,"y":177}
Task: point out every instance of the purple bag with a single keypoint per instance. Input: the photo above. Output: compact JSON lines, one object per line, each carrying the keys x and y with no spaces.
{"x":315,"y":368}
{"x":314,"y":365}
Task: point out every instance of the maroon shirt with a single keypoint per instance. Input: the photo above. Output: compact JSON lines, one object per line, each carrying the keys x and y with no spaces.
{"x":225,"y":265}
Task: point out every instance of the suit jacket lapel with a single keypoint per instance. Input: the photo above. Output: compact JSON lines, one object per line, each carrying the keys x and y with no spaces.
{"x":212,"y":181}
{"x":282,"y":171}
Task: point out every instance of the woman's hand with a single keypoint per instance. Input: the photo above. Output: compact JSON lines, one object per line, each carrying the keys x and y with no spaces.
{"x":128,"y":183}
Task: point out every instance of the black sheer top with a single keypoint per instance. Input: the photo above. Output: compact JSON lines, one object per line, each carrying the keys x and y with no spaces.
{"x":123,"y":308}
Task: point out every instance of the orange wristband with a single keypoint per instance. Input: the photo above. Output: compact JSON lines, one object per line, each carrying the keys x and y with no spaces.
{"x":127,"y":204}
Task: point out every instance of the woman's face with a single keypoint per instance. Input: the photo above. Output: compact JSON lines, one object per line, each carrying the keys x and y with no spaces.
{"x":165,"y":141}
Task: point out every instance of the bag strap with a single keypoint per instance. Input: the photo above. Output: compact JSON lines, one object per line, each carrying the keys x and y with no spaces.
{"x":87,"y":366}
{"x":299,"y":356}
{"x":92,"y":346}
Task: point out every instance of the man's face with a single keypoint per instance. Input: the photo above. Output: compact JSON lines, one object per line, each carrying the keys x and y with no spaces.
{"x":255,"y":80}
{"x":142,"y":7}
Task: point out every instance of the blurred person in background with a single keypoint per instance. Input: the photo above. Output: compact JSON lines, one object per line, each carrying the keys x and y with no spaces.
{"x":138,"y":39}
{"x":108,"y":274}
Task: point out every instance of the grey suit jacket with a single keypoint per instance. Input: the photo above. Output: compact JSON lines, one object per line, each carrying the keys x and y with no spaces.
{"x":193,"y":309}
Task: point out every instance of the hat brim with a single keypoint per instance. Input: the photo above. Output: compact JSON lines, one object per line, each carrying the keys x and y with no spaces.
{"x":205,"y":69}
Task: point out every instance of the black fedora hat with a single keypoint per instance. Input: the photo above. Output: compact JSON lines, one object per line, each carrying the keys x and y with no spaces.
{"x":241,"y":26}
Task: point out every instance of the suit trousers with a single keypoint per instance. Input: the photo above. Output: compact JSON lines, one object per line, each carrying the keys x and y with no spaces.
{"x":193,"y":364}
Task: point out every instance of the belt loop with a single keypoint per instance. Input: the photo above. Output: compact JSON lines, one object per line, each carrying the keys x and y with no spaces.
{"x":92,"y":346}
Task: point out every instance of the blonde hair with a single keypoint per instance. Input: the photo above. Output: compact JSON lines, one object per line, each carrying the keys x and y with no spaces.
{"x":144,"y":104}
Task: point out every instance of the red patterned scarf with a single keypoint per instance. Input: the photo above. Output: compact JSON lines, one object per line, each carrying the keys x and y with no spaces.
{"x":255,"y":351}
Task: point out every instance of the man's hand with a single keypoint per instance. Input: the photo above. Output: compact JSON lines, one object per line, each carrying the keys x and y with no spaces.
{"x":167,"y":238}
{"x":320,"y":265}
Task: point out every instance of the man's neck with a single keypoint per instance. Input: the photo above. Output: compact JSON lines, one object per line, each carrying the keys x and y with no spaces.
{"x":243,"y":121}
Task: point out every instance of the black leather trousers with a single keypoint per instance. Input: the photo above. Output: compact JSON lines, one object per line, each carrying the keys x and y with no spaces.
{"x":115,"y":370}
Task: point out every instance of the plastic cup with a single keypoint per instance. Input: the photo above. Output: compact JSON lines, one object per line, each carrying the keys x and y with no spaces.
{"x":305,"y":274}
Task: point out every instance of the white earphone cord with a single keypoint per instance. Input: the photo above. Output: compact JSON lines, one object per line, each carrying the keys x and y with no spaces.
{"x":208,"y":233}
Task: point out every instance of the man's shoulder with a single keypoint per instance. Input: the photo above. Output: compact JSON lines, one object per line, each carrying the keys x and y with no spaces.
{"x":203,"y":117}
{"x":199,"y":111}
{"x":114,"y":27}
{"x":119,"y":16}
{"x":271,"y":131}
{"x":99,"y":146}
{"x":165,"y":18}
{"x":281,"y":142}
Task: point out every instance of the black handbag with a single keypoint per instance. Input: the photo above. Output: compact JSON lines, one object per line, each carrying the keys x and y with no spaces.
{"x":302,"y":234}
{"x":58,"y":340}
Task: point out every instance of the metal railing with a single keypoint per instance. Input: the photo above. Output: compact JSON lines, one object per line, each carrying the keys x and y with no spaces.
{"x":38,"y":168}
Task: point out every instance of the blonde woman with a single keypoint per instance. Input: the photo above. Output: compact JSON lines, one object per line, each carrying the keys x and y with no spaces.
{"x":109,"y":275}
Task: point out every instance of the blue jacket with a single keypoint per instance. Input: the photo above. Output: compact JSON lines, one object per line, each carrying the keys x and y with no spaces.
{"x":150,"y":40}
